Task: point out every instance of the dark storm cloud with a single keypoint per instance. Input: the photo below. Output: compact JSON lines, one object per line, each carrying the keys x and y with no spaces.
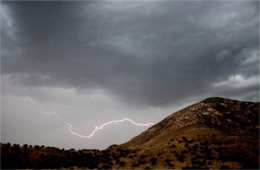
{"x":150,"y":53}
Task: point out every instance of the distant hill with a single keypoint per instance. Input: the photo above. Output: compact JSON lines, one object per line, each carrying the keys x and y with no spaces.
{"x":214,"y":133}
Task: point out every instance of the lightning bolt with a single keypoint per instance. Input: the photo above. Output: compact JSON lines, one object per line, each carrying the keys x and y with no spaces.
{"x":97,"y":128}
{"x":105,"y":124}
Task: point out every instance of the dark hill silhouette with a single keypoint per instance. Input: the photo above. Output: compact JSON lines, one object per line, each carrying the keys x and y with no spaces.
{"x":214,"y":133}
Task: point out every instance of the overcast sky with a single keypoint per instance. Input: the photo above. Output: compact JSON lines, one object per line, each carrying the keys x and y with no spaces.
{"x":93,"y":62}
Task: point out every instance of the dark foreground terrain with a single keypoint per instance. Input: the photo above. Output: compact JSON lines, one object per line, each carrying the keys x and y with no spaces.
{"x":214,"y":133}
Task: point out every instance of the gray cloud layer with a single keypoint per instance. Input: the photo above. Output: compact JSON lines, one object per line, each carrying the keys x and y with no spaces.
{"x":144,"y":53}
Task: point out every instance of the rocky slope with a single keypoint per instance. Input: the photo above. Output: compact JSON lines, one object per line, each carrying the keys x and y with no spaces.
{"x":230,"y":117}
{"x":214,"y":133}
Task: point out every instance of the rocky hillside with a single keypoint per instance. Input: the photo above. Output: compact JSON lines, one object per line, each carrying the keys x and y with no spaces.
{"x":214,"y":133}
{"x":230,"y":117}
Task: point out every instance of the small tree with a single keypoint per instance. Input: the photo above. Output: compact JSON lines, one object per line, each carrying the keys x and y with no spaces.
{"x":153,"y":161}
{"x":135,"y":164}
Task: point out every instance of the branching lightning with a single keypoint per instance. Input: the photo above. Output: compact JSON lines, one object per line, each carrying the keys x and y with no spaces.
{"x":105,"y":124}
{"x":97,"y":128}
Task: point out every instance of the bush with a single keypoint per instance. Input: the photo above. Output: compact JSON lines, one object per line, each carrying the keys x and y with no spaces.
{"x":198,"y":162}
{"x":135,"y":164}
{"x":142,"y":156}
{"x":153,"y":161}
{"x":42,"y":156}
{"x":167,"y":160}
{"x":224,"y":167}
{"x":209,"y":163}
{"x":185,"y":139}
{"x":105,"y":166}
{"x":185,"y":152}
{"x":122,"y":164}
{"x":142,"y":162}
{"x":191,"y":141}
{"x":181,"y":158}
{"x":131,"y":156}
{"x":16,"y":145}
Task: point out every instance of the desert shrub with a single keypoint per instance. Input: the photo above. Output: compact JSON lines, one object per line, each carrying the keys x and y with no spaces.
{"x":208,"y":151}
{"x":123,"y":152}
{"x":192,"y":167}
{"x":142,"y":162}
{"x":59,"y":151}
{"x":191,"y":141}
{"x":147,"y":168}
{"x":167,"y":160}
{"x":106,"y":166}
{"x":185,"y":152}
{"x":171,"y":165}
{"x":198,"y":162}
{"x":187,"y":167}
{"x":16,"y":145}
{"x":53,"y":157}
{"x":224,"y":167}
{"x":142,"y":156}
{"x":135,"y":164}
{"x":153,"y":161}
{"x":193,"y":153}
{"x":181,"y":158}
{"x":193,"y":159}
{"x":185,"y":139}
{"x":122,"y":164}
{"x":130,"y":156}
{"x":117,"y":161}
{"x":42,"y":156}
{"x":194,"y":148}
{"x":199,"y":156}
{"x":196,"y":167}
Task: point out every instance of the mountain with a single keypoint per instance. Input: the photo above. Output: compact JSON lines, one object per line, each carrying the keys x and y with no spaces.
{"x":214,"y":133}
{"x":225,"y":116}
